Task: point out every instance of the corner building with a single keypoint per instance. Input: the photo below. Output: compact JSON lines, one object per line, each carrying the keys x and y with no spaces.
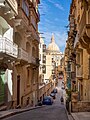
{"x":20,"y":19}
{"x":78,"y":55}
{"x":27,"y":64}
{"x":8,"y":51}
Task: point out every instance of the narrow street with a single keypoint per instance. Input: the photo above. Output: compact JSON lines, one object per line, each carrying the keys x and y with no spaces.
{"x":51,"y":112}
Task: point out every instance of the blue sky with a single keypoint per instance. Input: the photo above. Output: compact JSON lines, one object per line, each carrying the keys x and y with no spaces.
{"x":54,"y":18}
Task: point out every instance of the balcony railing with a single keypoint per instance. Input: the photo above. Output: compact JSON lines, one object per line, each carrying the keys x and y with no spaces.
{"x":22,"y":54}
{"x":36,"y":11}
{"x":8,"y":47}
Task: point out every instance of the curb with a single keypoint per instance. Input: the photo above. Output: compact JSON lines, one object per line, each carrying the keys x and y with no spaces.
{"x":18,"y":111}
{"x":74,"y":116}
{"x":69,"y":115}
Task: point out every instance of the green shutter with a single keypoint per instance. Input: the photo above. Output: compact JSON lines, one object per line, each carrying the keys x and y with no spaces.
{"x":2,"y":87}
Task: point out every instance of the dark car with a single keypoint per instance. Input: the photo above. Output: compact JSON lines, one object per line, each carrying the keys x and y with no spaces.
{"x":54,"y":90}
{"x":47,"y":100}
{"x":53,"y":95}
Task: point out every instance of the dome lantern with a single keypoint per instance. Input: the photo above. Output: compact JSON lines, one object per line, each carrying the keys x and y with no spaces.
{"x":52,"y":38}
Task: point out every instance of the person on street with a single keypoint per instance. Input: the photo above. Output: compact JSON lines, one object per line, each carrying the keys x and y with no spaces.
{"x":61,"y":99}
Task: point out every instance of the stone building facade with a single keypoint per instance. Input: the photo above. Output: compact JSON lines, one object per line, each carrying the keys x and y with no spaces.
{"x":49,"y":61}
{"x":77,"y":53}
{"x":19,"y":52}
{"x":42,"y":69}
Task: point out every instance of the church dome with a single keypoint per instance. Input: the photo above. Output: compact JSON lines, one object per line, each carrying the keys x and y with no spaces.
{"x":53,"y":46}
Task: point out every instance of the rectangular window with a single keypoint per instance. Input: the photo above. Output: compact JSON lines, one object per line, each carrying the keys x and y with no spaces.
{"x":44,"y":58}
{"x":44,"y":47}
{"x":25,"y":8}
{"x":44,"y":69}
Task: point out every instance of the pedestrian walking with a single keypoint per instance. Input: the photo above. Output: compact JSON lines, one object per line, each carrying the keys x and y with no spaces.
{"x":61,"y":99}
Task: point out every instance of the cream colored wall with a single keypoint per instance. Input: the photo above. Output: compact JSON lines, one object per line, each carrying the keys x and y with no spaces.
{"x":85,"y":64}
{"x":86,"y":81}
{"x":48,"y":67}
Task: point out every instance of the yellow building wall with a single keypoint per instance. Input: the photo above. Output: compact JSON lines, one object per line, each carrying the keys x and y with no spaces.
{"x":86,"y":81}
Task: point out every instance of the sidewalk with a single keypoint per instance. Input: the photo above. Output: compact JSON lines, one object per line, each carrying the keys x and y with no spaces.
{"x":7,"y":113}
{"x":81,"y":115}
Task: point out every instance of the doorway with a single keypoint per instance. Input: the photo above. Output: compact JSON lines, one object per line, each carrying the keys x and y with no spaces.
{"x":18,"y":90}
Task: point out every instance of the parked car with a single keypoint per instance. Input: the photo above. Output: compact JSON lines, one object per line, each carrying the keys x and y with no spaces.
{"x":53,"y":95}
{"x":47,"y":100}
{"x":54,"y":90}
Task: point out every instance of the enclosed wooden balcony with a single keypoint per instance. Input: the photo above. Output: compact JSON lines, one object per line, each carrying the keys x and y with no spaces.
{"x":8,"y":48}
{"x":34,"y":35}
{"x":35,"y":11}
{"x":22,"y":20}
{"x":38,"y":14}
{"x":84,"y":29}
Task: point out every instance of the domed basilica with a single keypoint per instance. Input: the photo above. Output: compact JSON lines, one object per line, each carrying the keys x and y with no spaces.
{"x":53,"y":57}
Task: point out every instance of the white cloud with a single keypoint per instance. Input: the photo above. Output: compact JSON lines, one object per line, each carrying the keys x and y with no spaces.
{"x":43,"y":8}
{"x":51,"y":1}
{"x":57,"y":5}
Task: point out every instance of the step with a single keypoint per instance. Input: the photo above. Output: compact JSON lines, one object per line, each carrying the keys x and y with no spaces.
{"x":3,"y":107}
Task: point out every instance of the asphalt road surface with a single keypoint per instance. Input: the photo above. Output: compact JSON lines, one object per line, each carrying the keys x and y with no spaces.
{"x":49,"y":112}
